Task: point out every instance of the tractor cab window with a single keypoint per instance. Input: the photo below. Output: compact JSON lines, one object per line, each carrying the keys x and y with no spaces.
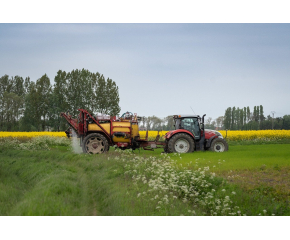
{"x":190,"y":124}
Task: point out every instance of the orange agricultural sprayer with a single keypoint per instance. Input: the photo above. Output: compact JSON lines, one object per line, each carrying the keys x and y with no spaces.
{"x":98,"y":133}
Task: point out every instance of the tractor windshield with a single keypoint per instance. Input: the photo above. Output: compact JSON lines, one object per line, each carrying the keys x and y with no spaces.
{"x":190,"y":124}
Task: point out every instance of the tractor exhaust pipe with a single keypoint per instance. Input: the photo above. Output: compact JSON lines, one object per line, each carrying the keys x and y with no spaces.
{"x":203,"y":122}
{"x":201,"y":142}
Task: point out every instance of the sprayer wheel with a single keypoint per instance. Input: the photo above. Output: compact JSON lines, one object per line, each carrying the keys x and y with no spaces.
{"x":95,"y":143}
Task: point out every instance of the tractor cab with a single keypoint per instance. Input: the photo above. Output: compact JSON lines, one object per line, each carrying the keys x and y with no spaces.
{"x":191,"y":123}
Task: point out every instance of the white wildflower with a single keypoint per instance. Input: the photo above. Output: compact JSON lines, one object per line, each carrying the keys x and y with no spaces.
{"x":184,"y":200}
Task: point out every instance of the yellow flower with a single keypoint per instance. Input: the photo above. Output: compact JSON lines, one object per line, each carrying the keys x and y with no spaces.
{"x":233,"y":135}
{"x":31,"y":134}
{"x":236,"y":135}
{"x":256,"y":134}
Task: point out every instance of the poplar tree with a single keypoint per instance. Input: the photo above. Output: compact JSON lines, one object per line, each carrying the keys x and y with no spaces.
{"x":59,"y":101}
{"x":43,"y":91}
{"x":237,"y":118}
{"x":261,"y":113}
{"x":255,"y":113}
{"x":31,"y":119}
{"x":106,"y":96}
{"x":11,"y":102}
{"x":228,"y":118}
{"x":241,"y":118}
{"x":248,"y":114}
{"x":233,"y":118}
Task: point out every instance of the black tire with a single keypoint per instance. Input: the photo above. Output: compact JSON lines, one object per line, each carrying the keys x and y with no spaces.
{"x":219,"y":145}
{"x":95,"y":143}
{"x":180,"y":143}
{"x":166,"y":148}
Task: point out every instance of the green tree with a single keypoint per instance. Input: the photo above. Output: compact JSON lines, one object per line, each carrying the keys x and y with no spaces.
{"x":262,"y":118}
{"x":228,"y":118}
{"x":248,"y":114}
{"x":37,"y":105}
{"x":241,"y":118}
{"x":169,"y":123}
{"x":43,"y":89}
{"x":233,"y":124}
{"x":93,"y":92}
{"x":258,"y":114}
{"x":220,"y":122}
{"x":255,"y":114}
{"x":11,"y":102}
{"x":237,"y":118}
{"x":245,"y":115}
{"x":106,"y":96}
{"x":286,"y":122}
{"x":59,"y":102}
{"x":31,"y":118}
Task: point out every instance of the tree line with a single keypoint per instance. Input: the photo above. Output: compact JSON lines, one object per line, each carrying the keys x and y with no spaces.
{"x":26,"y":105}
{"x":234,"y":119}
{"x":244,"y":119}
{"x":158,"y":124}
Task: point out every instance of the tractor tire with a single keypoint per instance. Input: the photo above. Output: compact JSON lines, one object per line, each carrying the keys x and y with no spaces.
{"x":219,"y":145}
{"x":180,"y":143}
{"x":95,"y":143}
{"x":166,"y":148}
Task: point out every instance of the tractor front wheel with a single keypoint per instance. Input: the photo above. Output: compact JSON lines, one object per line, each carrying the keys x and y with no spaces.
{"x":95,"y":143}
{"x":219,"y":145}
{"x":180,"y":143}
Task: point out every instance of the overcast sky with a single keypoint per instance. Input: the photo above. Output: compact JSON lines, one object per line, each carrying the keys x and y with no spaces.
{"x":162,"y":69}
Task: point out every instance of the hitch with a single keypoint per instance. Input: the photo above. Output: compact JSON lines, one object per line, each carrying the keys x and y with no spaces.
{"x":72,"y":122}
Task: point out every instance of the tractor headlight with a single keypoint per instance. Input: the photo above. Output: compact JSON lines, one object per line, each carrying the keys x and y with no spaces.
{"x":218,"y":134}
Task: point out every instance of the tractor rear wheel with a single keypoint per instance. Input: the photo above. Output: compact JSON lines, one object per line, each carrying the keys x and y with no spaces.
{"x":95,"y":143}
{"x":180,"y":143}
{"x":166,"y":148}
{"x":219,"y":145}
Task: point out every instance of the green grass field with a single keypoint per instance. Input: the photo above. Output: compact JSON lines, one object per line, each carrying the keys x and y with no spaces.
{"x":249,"y":179}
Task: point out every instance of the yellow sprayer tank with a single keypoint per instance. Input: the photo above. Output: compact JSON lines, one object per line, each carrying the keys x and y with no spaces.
{"x":121,"y":127}
{"x":130,"y":130}
{"x":94,"y":127}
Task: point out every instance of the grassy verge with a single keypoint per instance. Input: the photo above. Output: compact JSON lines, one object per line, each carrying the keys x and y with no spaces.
{"x":247,"y":180}
{"x":258,"y":142}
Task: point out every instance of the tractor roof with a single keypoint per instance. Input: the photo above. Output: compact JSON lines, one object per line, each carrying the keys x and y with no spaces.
{"x":185,"y":115}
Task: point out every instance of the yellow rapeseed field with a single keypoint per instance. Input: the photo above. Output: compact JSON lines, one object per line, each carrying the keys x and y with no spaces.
{"x":152,"y":134}
{"x":31,"y":134}
{"x":231,"y":135}
{"x":235,"y":135}
{"x":256,"y":134}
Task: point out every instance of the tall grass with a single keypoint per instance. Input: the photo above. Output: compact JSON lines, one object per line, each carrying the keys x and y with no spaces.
{"x":59,"y":182}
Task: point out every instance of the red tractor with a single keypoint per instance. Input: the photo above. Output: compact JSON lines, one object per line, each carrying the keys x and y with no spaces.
{"x":98,"y":133}
{"x":189,"y":135}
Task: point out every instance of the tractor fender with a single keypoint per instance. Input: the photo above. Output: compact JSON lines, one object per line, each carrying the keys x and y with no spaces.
{"x":169,"y":134}
{"x":210,"y":140}
{"x":101,"y":132}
